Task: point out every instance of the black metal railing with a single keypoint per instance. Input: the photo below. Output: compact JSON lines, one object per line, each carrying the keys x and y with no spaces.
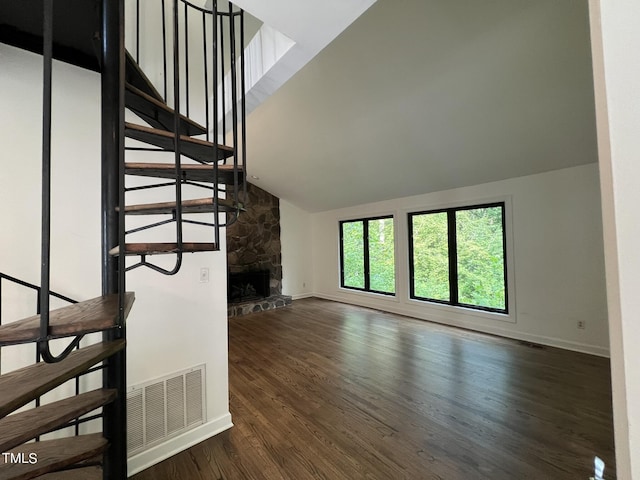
{"x":45,"y":264}
{"x":200,"y":52}
{"x":113,"y":371}
{"x":36,"y":310}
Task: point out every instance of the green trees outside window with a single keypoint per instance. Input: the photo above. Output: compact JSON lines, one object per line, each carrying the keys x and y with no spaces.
{"x":431,"y":256}
{"x":353,"y":254}
{"x":480,"y":252}
{"x":457,"y":256}
{"x":367,"y":255}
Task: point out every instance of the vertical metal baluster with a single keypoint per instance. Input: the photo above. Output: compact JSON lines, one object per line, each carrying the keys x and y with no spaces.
{"x":164,"y":51}
{"x":223,"y":93}
{"x":45,"y":239}
{"x":216,"y":192}
{"x":77,"y":426}
{"x":138,"y":32}
{"x":234,"y":98}
{"x":176,"y":126}
{"x":186,"y":56}
{"x":244,"y":108}
{"x":38,"y":356}
{"x":206,"y":73}
{"x":38,"y":307}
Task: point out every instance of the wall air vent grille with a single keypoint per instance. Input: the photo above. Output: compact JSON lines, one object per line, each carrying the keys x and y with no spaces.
{"x":165,"y":407}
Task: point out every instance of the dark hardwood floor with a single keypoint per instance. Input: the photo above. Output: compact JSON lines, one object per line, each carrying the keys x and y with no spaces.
{"x":333,"y":391}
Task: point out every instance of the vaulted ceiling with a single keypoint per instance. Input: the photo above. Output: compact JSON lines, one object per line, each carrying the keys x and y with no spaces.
{"x":418,"y":96}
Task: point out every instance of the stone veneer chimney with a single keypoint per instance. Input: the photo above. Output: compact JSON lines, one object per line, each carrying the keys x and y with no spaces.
{"x":253,"y":244}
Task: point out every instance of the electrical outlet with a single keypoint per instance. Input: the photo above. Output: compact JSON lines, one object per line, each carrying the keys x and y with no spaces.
{"x":582,"y":324}
{"x":204,"y":275}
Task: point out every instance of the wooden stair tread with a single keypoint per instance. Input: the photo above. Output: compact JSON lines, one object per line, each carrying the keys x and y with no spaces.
{"x":194,"y":148}
{"x":163,"y":248}
{"x":192,"y":172}
{"x":93,"y":315}
{"x":87,"y":473}
{"x":21,"y":386}
{"x":24,"y":426}
{"x":157,"y":113}
{"x":136,"y":77}
{"x":199,"y":205}
{"x":52,"y":455}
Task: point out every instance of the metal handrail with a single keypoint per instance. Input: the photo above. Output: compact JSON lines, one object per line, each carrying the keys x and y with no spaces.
{"x":4,"y":276}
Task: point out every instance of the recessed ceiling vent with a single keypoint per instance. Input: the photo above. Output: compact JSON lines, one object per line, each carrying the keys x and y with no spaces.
{"x":163,"y":408}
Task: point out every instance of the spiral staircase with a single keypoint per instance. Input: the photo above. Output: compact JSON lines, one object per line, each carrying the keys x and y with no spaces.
{"x":89,"y":34}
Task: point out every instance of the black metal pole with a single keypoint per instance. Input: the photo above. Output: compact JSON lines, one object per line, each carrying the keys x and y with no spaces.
{"x":234,"y":102}
{"x":112,"y":137}
{"x":176,"y":129}
{"x":206,"y":73}
{"x":186,"y":57}
{"x":45,"y":239}
{"x":164,"y":51}
{"x":216,"y":96}
{"x":114,"y":376}
{"x":138,"y":32}
{"x":243,"y":111}
{"x":223,"y":93}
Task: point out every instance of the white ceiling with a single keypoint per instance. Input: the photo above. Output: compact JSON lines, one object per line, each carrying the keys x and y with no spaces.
{"x":425,"y":95}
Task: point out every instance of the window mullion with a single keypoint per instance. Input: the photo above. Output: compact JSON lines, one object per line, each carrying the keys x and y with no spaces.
{"x":411,"y":259}
{"x":365,"y":240}
{"x":453,"y":257}
{"x":342,"y":254}
{"x":504,"y":258}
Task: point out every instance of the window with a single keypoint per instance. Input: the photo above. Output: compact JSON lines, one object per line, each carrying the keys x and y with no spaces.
{"x":457,"y":257}
{"x":367,"y":255}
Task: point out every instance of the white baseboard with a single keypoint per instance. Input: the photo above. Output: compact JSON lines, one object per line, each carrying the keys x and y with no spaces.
{"x":301,"y":295}
{"x":497,"y":330}
{"x":155,"y":455}
{"x":552,"y":342}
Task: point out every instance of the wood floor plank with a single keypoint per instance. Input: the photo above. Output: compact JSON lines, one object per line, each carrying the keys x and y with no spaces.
{"x":87,"y":473}
{"x":327,"y":390}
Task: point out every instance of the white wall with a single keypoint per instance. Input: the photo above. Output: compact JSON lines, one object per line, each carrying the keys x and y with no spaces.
{"x":176,"y":322}
{"x":297,"y":241}
{"x":556,"y":259}
{"x":615,"y":44}
{"x":76,"y":158}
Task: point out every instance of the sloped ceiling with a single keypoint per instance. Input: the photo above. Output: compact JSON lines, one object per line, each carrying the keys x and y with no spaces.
{"x":425,"y":95}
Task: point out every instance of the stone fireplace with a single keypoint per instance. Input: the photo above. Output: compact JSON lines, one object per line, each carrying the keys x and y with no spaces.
{"x":254,"y":256}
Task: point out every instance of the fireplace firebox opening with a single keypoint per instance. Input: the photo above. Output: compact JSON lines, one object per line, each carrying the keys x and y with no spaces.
{"x":245,"y":286}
